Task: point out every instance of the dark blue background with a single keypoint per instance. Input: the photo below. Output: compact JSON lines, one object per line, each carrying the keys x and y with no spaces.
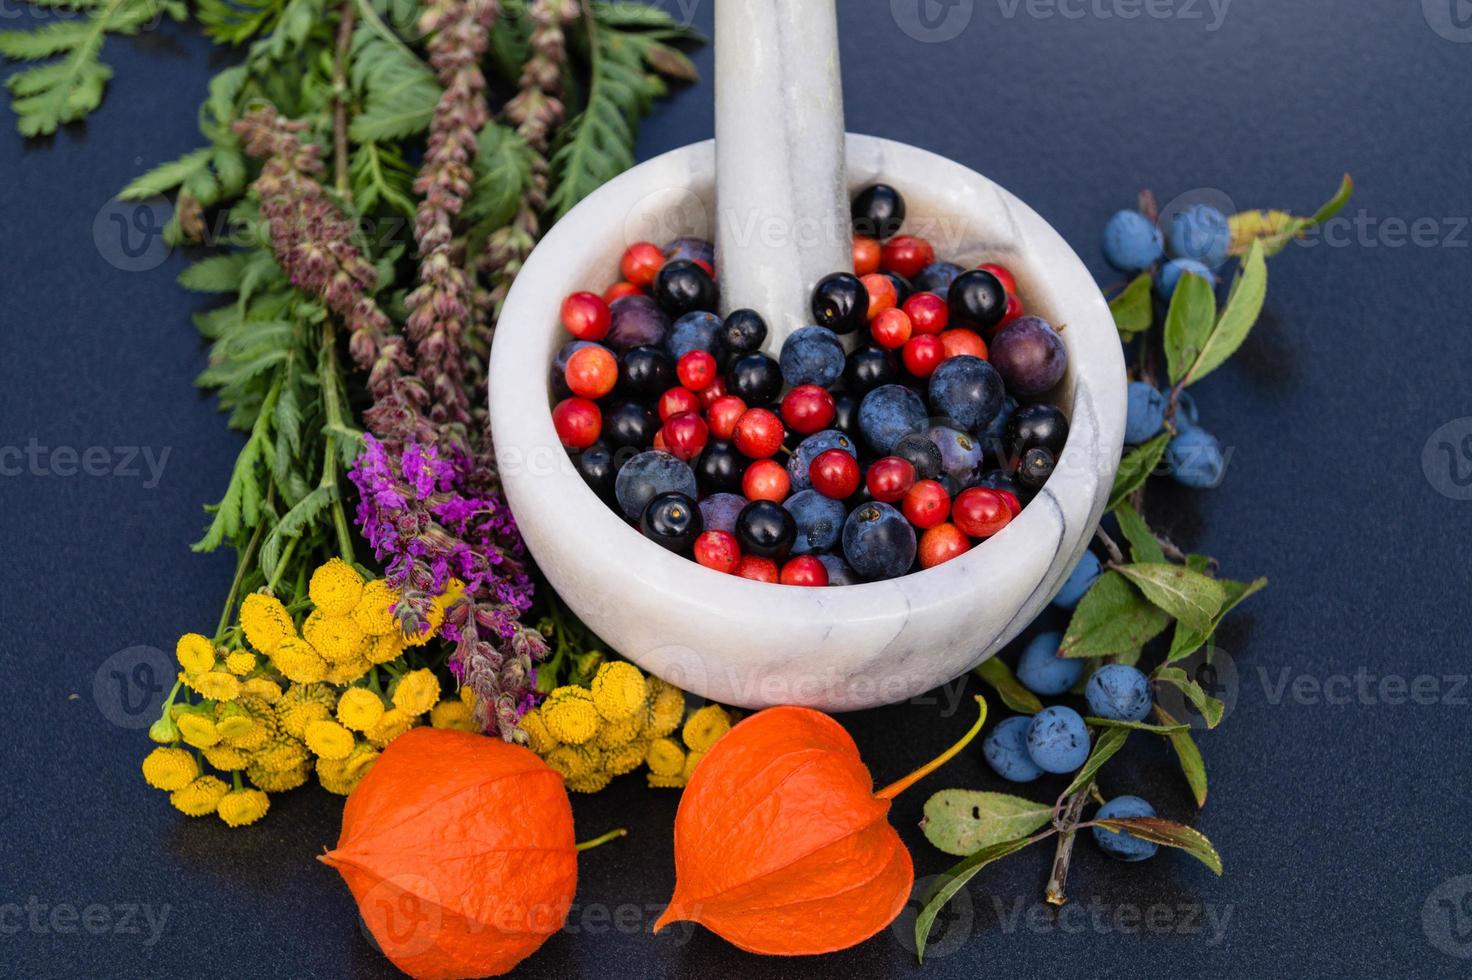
{"x":1336,"y":821}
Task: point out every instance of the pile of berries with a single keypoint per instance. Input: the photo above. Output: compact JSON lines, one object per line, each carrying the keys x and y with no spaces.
{"x":827,"y":465}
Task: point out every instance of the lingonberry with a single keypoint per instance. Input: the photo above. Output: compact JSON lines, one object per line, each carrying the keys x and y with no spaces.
{"x":866,"y":256}
{"x":808,"y":409}
{"x":906,"y":255}
{"x":619,"y":290}
{"x":677,"y":401}
{"x":957,"y":342}
{"x":923,"y":354}
{"x":804,"y":570}
{"x":697,"y":370}
{"x":592,"y":371}
{"x":685,"y":435}
{"x":713,"y":392}
{"x":980,"y":512}
{"x":882,"y":294}
{"x":891,"y":328}
{"x":757,"y":569}
{"x":928,"y":313}
{"x":673,"y":521}
{"x":1014,"y":310}
{"x":942,"y":543}
{"x":1003,"y":274}
{"x":640,"y":263}
{"x":834,"y":473}
{"x":758,"y":433}
{"x":718,"y":550}
{"x":926,"y":504}
{"x":578,"y":422}
{"x":766,"y":479}
{"x":890,"y":478}
{"x":586,"y":316}
{"x":721,"y":415}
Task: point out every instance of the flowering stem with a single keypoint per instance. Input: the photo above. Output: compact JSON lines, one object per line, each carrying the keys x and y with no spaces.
{"x":332,"y":408}
{"x":899,"y":786}
{"x":588,"y":845}
{"x":339,"y":98}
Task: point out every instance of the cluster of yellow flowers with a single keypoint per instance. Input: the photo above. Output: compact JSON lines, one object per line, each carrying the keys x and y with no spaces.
{"x":297,"y":701}
{"x":621,"y":721}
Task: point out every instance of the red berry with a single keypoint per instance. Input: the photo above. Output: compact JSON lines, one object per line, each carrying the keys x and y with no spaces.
{"x":1014,"y":310}
{"x":713,"y":392}
{"x":890,"y":478}
{"x":685,"y":435}
{"x":928,"y":313}
{"x":1013,"y":504}
{"x":696,"y":370}
{"x":710,"y":270}
{"x":808,"y":409}
{"x":906,"y":255}
{"x":766,"y":479}
{"x":980,"y":512}
{"x":659,"y":440}
{"x":804,"y":570}
{"x":578,"y":422}
{"x":891,"y":328}
{"x":923,"y":354}
{"x":718,"y":550}
{"x":957,"y":342}
{"x":677,"y":401}
{"x":942,"y":543}
{"x":866,"y":256}
{"x":758,"y":433}
{"x":926,"y":504}
{"x":591,"y":372}
{"x":619,"y":290}
{"x":722,"y":415}
{"x":586,"y":316}
{"x":882,"y":295}
{"x":1003,"y":274}
{"x":834,"y":474}
{"x":757,"y":569}
{"x":641,"y":263}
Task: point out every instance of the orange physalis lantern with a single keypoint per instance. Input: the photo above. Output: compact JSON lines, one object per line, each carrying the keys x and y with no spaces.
{"x":782,"y":847}
{"x":459,"y":851}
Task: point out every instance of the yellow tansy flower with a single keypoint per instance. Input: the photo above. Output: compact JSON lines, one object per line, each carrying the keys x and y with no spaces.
{"x":618,"y":690}
{"x":281,"y":755}
{"x":539,"y":739}
{"x":658,"y":781}
{"x":570,"y":714}
{"x":417,"y":691}
{"x":395,"y":722}
{"x":337,"y":639}
{"x":240,"y":662}
{"x":705,"y":726}
{"x":198,"y":730}
{"x":299,"y":661}
{"x":348,"y":671}
{"x":382,"y":649}
{"x":261,"y":687}
{"x":612,"y":734}
{"x":278,"y":782}
{"x":625,"y":758}
{"x":691,"y":761}
{"x":200,"y":797}
{"x":341,"y":775}
{"x":266,"y":622}
{"x":170,"y":769}
{"x":665,"y":758}
{"x":303,"y":704}
{"x":575,"y":761}
{"x":226,"y":757}
{"x":329,"y":740}
{"x":216,"y":685}
{"x":374,"y":612}
{"x":451,"y":713}
{"x":335,"y":588}
{"x":243,"y":806}
{"x":665,"y":709}
{"x":164,"y":731}
{"x":195,"y":652}
{"x":591,"y":783}
{"x":359,"y":709}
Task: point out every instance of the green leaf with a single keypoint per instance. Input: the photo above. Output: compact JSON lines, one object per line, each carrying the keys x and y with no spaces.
{"x":1112,"y":619}
{"x":1138,"y":726}
{"x":1188,"y":324}
{"x":503,"y":164}
{"x":1110,"y":741}
{"x":398,"y":91}
{"x":1170,"y":834}
{"x":1244,"y":305}
{"x":1135,"y":468}
{"x":1189,"y":755}
{"x":1143,"y":545}
{"x":995,"y":672}
{"x":963,"y":821}
{"x":1133,"y":309}
{"x":292,"y":524}
{"x":216,"y":274}
{"x":1208,"y":707}
{"x":952,"y":881}
{"x":1187,"y":641}
{"x":1275,"y":229}
{"x":1188,"y":596}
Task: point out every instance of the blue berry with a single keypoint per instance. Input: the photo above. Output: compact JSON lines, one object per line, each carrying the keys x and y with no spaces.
{"x":887,"y":413}
{"x":1195,"y":458}
{"x":1005,"y":750}
{"x":812,"y":356}
{"x":1118,"y":692}
{"x":1042,"y":671}
{"x":812,"y":447}
{"x":1120,"y":844}
{"x":1079,"y":581}
{"x":1199,"y":232}
{"x":719,"y":511}
{"x":1131,"y":242}
{"x":649,"y":475}
{"x":960,"y":455}
{"x":1170,"y":276}
{"x":878,"y":542}
{"x":694,"y":331}
{"x":1145,"y":413}
{"x":1057,"y":740}
{"x":968,"y":390}
{"x":839,"y":572}
{"x":819,"y":521}
{"x":936,"y":278}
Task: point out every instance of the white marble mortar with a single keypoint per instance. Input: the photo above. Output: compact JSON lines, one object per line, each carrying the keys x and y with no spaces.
{"x":756,"y":645}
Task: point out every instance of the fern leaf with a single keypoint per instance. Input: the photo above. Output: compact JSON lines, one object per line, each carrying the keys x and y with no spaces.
{"x":398,"y":92}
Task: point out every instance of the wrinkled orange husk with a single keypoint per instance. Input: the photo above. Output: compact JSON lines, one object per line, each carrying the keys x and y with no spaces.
{"x":459,"y":850}
{"x":781,"y":846}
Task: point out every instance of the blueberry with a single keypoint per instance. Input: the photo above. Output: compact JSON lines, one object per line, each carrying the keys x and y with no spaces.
{"x":868,"y":367}
{"x":636,"y":321}
{"x":1170,"y":275}
{"x":809,"y":449}
{"x":839,"y":572}
{"x":766,"y":529}
{"x":1029,"y":355}
{"x":1131,"y":242}
{"x":812,"y":356}
{"x":719,"y":511}
{"x":977,"y":299}
{"x":1122,"y":844}
{"x":819,"y":521}
{"x":648,"y":475}
{"x":1034,"y":468}
{"x":720,"y":468}
{"x":878,"y":211}
{"x":960,"y":454}
{"x":1199,"y":232}
{"x":1042,"y":671}
{"x":672,"y":520}
{"x":681,"y":286}
{"x":923,"y":454}
{"x":902,"y":288}
{"x":840,"y":302}
{"x":1119,"y":692}
{"x":936,"y":278}
{"x":1057,"y":740}
{"x":755,"y":378}
{"x":1005,"y":750}
{"x":846,"y":415}
{"x":595,"y":466}
{"x":1195,"y":458}
{"x":557,"y":374}
{"x":1040,"y":426}
{"x":696,"y":330}
{"x":646,"y":373}
{"x":630,"y":425}
{"x":692,"y":249}
{"x":878,"y":542}
{"x":968,"y":390}
{"x":743,"y":331}
{"x":1079,"y":581}
{"x":1145,"y":413}
{"x":887,"y":413}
